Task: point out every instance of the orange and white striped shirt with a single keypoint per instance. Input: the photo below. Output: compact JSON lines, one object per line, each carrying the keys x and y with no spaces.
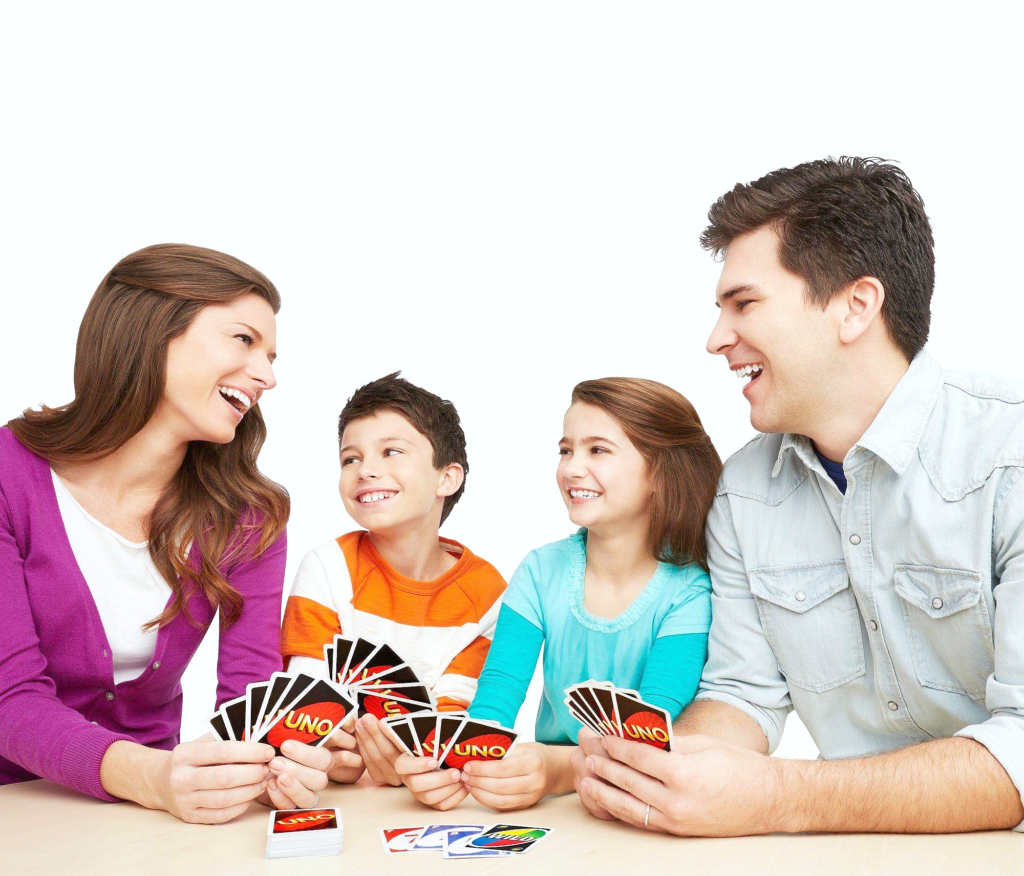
{"x":443,"y":628}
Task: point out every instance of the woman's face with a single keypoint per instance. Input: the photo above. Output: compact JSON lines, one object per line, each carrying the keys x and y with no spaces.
{"x":218,"y":369}
{"x":601,"y":475}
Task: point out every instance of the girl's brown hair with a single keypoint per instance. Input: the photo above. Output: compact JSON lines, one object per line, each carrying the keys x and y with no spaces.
{"x":218,"y":499}
{"x":681,"y":460}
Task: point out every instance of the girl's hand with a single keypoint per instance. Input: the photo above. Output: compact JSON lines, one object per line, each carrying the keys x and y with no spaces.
{"x":439,"y":790}
{"x":346,"y":763}
{"x":207,"y":781}
{"x":378,"y":751}
{"x":297,"y":778}
{"x":518,"y":781}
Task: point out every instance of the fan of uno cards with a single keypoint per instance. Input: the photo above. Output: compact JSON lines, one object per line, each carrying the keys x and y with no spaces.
{"x":616,"y":711}
{"x":452,"y":738}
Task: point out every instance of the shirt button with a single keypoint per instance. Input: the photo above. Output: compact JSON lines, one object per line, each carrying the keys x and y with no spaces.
{"x":800,"y":597}
{"x":109,"y":694}
{"x":156,"y":665}
{"x":873,"y":625}
{"x":892,"y":706}
{"x":936,"y":602}
{"x":105,"y":652}
{"x":855,"y":539}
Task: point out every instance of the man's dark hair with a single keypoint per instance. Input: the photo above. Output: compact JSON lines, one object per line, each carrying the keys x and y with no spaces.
{"x":840,"y":219}
{"x":431,"y":416}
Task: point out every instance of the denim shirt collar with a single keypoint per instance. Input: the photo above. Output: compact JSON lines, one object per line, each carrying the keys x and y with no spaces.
{"x":896,"y":431}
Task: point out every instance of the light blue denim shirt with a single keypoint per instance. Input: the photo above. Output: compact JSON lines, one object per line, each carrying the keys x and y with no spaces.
{"x":891,"y":615}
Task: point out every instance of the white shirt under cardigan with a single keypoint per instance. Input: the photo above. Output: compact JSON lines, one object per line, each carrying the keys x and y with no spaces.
{"x":126,"y":586}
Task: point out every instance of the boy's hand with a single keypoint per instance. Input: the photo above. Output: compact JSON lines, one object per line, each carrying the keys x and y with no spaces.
{"x":297,"y":778}
{"x":518,"y":781}
{"x":439,"y":790}
{"x":379,"y":752}
{"x":346,"y":762}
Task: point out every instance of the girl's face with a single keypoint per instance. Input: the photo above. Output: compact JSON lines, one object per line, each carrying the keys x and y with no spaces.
{"x":602,"y":477}
{"x":218,"y":369}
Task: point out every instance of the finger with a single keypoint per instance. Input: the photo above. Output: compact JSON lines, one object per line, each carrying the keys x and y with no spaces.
{"x":454,"y":800}
{"x":408,"y":765}
{"x":436,"y":796}
{"x":640,"y":757}
{"x":304,"y":775}
{"x":590,"y":804}
{"x":225,"y":798}
{"x":630,"y":780}
{"x":428,"y":781}
{"x":345,"y":759}
{"x":228,"y":775}
{"x":501,"y":802}
{"x":501,"y":769}
{"x":382,"y":738}
{"x":371,"y":757}
{"x":278,"y":797}
{"x":219,"y":751}
{"x":513,"y":785}
{"x":307,"y":755}
{"x":623,"y":806}
{"x":299,"y":793}
{"x":591,"y":742}
{"x":341,"y":739}
{"x":220,"y":816}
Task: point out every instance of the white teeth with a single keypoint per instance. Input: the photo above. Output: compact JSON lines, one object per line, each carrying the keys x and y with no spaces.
{"x":235,"y":393}
{"x":583,"y":494}
{"x":747,"y":370}
{"x":367,"y":498}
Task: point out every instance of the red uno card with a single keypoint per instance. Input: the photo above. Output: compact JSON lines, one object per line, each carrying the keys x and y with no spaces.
{"x":311,"y":717}
{"x":304,"y":820}
{"x":642,"y":722}
{"x":479,"y":741}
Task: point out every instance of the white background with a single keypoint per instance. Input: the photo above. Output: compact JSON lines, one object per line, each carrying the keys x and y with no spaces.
{"x":498,"y":199}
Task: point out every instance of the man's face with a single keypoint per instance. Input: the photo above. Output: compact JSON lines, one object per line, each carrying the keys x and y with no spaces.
{"x":766,"y":327}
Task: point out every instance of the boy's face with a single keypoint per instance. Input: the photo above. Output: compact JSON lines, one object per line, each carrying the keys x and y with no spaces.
{"x":388,"y":479}
{"x":765,"y":320}
{"x":601,"y":475}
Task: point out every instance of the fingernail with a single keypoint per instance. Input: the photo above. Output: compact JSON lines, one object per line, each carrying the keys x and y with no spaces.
{"x":590,"y":764}
{"x":290,"y":745}
{"x":454,"y":775}
{"x":277,"y":763}
{"x":285,"y":779}
{"x":586,"y":785}
{"x":432,"y":763}
{"x":272,"y":784}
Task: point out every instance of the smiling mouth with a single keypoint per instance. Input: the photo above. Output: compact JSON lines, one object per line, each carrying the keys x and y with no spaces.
{"x":376,"y":497}
{"x":578,"y":497}
{"x":752,"y":371}
{"x":238,"y":400}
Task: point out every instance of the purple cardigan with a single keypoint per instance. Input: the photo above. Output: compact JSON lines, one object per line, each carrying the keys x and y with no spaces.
{"x":59,"y":706}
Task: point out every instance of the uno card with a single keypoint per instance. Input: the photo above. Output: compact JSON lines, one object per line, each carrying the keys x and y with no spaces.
{"x":583,"y":719}
{"x":447,"y":728}
{"x":401,"y":730}
{"x":478,"y":741}
{"x":329,"y":660}
{"x":383,"y":660}
{"x":361,"y":651}
{"x":456,"y":845}
{"x":311,"y":717}
{"x":509,"y":838}
{"x":587,"y":694}
{"x":220,"y":727}
{"x":399,"y":839}
{"x":254,"y":695}
{"x":279,"y":683}
{"x":397,"y":675}
{"x":642,"y":722}
{"x":606,"y":707}
{"x":234,"y":713}
{"x":342,"y":652}
{"x":424,"y":728}
{"x":386,"y":704}
{"x":433,"y":836}
{"x":303,"y":820}
{"x":576,"y":698}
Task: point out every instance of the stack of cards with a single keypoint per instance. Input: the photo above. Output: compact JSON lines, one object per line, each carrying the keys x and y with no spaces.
{"x":289,"y":706}
{"x":615,"y":711}
{"x":376,"y":678}
{"x":464,"y":840}
{"x":296,"y":833}
{"x":452,"y":738}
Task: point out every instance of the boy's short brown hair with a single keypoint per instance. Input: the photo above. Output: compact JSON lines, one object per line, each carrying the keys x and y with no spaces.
{"x":433,"y":417}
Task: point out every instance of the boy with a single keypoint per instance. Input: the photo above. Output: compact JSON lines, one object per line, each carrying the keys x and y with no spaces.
{"x":403,"y":468}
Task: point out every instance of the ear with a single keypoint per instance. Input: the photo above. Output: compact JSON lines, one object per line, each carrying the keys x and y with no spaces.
{"x":451,"y":479}
{"x":862,"y":302}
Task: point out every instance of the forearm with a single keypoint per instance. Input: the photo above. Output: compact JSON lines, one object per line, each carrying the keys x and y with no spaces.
{"x":945,"y":786}
{"x":128,"y":772}
{"x":722,"y":721}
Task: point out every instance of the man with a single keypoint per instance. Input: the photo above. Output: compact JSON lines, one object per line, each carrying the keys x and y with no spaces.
{"x":866,"y":551}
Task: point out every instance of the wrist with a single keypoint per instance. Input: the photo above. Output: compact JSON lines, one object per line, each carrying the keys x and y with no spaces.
{"x":152,"y":771}
{"x":793,"y":796}
{"x":558,"y":773}
{"x":129,"y":770}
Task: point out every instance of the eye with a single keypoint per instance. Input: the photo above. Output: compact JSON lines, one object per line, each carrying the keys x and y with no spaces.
{"x":391,"y":450}
{"x":564,"y":451}
{"x":246,"y":339}
{"x":348,"y":459}
{"x":741,"y":304}
{"x":598,"y":450}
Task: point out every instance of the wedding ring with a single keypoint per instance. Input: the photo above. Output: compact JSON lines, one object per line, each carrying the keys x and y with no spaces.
{"x":647,"y":815}
{"x":316,"y":799}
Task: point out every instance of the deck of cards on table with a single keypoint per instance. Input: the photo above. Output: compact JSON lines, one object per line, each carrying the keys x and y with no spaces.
{"x":364,"y":678}
{"x":294,"y":833}
{"x":452,"y":738}
{"x":617,"y":711}
{"x":464,"y":840}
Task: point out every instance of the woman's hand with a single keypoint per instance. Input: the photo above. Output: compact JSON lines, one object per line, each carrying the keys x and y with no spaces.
{"x":439,"y":790}
{"x":518,"y":781}
{"x":296,"y":779}
{"x":378,"y":751}
{"x":203,"y":782}
{"x":346,"y":762}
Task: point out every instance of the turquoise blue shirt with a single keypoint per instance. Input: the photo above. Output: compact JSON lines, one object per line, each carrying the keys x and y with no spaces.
{"x":544,"y":601}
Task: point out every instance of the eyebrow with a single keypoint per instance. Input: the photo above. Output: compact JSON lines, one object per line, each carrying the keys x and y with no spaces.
{"x":591,"y":439}
{"x":736,"y":290}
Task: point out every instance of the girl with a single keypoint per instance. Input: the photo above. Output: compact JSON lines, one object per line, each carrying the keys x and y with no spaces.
{"x":129,"y":518}
{"x":625,"y":599}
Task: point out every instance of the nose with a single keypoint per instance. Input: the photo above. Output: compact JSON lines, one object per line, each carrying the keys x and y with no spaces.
{"x":367,"y":472}
{"x":572,"y":468}
{"x":263,"y":373}
{"x":722,"y":337}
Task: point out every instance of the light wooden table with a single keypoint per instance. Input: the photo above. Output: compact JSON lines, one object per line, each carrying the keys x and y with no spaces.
{"x":48,"y":829}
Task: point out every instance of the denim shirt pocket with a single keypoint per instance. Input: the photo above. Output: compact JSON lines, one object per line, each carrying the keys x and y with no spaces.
{"x":810,"y":618}
{"x":949,"y":628}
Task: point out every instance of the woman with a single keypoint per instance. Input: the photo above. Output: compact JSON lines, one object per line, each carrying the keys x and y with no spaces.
{"x":128,"y":519}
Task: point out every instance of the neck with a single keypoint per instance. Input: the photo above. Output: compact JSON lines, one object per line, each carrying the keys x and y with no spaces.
{"x":856,"y":405}
{"x":143,"y":466}
{"x":616,"y":557}
{"x":414,"y":551}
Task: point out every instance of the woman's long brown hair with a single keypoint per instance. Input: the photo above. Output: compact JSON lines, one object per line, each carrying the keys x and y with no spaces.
{"x":681,"y":460}
{"x":218,"y":501}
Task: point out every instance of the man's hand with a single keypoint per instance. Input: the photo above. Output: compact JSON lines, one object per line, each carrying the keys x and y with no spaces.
{"x":705,"y":787}
{"x":590,"y":743}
